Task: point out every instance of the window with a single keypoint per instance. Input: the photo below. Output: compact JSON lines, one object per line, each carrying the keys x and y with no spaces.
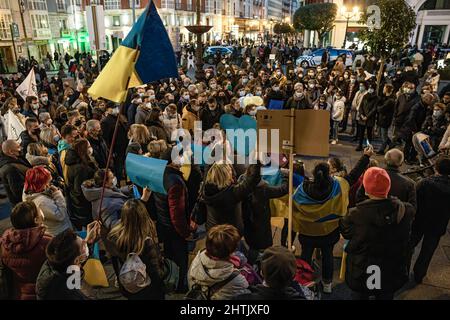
{"x":4,"y":4}
{"x":116,"y":21}
{"x":60,"y":5}
{"x":189,"y":5}
{"x":137,"y":3}
{"x":63,"y":24}
{"x":436,"y":5}
{"x":168,"y":4}
{"x":112,"y":4}
{"x":178,"y":4}
{"x":5,"y":31}
{"x":40,"y":25}
{"x":39,"y":5}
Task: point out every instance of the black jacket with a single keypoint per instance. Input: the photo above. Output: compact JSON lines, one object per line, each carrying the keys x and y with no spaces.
{"x":256,"y":213}
{"x":26,"y":140}
{"x":301,"y":104}
{"x":12,"y":175}
{"x":121,"y":144}
{"x":378,"y":232}
{"x":224,"y":206}
{"x":435,"y":128}
{"x":100,"y":151}
{"x":77,"y":172}
{"x":416,"y":118}
{"x":402,"y":187}
{"x":52,"y":285}
{"x":209,"y":118}
{"x":403,"y":107}
{"x":385,"y":108}
{"x":433,"y":203}
{"x":172,"y":208}
{"x":368,"y":109}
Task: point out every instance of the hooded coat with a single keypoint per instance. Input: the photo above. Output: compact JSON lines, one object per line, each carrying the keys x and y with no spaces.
{"x":378,"y":232}
{"x":23,"y":252}
{"x":12,"y":175}
{"x":206,"y":272}
{"x":113,"y":201}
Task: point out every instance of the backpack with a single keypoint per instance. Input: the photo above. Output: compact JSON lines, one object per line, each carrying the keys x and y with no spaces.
{"x":199,"y":292}
{"x":133,"y":274}
{"x":305,"y":274}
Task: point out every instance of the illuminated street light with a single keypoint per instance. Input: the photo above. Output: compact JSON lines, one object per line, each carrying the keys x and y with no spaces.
{"x":348,"y":15}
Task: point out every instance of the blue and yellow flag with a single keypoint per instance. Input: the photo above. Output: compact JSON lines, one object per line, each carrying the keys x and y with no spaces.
{"x":145,"y":55}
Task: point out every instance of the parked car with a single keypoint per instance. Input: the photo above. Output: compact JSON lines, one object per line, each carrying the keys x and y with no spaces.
{"x":210,"y":52}
{"x":316,"y":57}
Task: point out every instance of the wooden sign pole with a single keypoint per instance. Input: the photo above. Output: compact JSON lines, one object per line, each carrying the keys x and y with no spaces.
{"x":291,"y":179}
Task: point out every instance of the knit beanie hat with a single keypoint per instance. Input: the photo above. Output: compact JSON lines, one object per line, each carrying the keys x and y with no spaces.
{"x":377,"y":182}
{"x":278,"y":266}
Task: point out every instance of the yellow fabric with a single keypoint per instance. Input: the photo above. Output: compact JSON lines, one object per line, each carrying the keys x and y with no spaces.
{"x":112,"y":81}
{"x":64,"y":167}
{"x":188,"y":120}
{"x":304,"y":216}
{"x":94,"y":274}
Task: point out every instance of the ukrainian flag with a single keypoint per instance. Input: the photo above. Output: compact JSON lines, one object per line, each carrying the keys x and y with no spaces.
{"x":145,"y":55}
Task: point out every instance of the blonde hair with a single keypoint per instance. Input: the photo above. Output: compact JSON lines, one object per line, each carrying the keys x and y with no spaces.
{"x":47,"y":134}
{"x":139,"y":133}
{"x":134,"y":228}
{"x":37,"y":149}
{"x":220,"y":175}
{"x":156,"y":148}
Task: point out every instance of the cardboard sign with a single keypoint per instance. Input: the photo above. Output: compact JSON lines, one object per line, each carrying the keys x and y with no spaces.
{"x":311,"y":130}
{"x":272,"y":56}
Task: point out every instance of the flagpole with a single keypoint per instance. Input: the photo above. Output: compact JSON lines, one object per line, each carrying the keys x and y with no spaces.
{"x":113,"y":142}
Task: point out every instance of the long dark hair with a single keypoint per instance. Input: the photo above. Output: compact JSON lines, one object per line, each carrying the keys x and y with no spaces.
{"x":81,"y":149}
{"x":321,"y":174}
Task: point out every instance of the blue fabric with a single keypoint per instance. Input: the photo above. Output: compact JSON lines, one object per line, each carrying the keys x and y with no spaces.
{"x":329,"y":218}
{"x":156,"y":58}
{"x":136,"y":193}
{"x":275,"y":105}
{"x":246,"y":122}
{"x":146,"y":172}
{"x":301,"y":197}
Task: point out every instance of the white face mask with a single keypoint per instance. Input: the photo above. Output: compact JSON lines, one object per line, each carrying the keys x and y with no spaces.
{"x":371,"y":90}
{"x":148,"y":105}
{"x":312,"y":86}
{"x":276,"y":88}
{"x":114,"y":182}
{"x":152,"y":97}
{"x":241,"y":93}
{"x":115,"y":111}
{"x":252,"y":112}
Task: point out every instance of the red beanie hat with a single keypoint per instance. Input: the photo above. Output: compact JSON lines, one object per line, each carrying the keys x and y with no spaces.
{"x":376,"y":182}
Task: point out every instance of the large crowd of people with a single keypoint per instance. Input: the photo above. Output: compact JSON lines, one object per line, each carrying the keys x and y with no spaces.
{"x":58,"y":183}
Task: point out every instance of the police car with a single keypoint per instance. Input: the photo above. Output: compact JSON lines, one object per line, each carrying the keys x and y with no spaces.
{"x":210,"y":52}
{"x":315,"y":58}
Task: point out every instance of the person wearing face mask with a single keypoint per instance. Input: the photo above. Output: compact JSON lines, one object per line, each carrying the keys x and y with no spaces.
{"x":298,"y":100}
{"x":312,"y":92}
{"x":435,"y":125}
{"x":12,"y":170}
{"x":337,"y":114}
{"x":433,"y":79}
{"x":275,"y":93}
{"x":184,"y":100}
{"x":356,"y":104}
{"x":31,"y":107}
{"x":46,"y":105}
{"x":65,"y":250}
{"x":190,"y":116}
{"x":143,"y":111}
{"x":136,"y":101}
{"x":406,"y":99}
{"x":120,"y":147}
{"x":322,"y":103}
{"x":367,"y":115}
{"x":349,"y":93}
{"x":250,"y":110}
{"x":385,"y":109}
{"x":31,"y":133}
{"x":49,"y":199}
{"x":171,"y":120}
{"x":98,"y":144}
{"x":23,"y":249}
{"x":210,"y":115}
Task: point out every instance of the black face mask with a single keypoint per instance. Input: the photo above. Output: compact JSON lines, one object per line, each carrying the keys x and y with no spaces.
{"x":78,"y":123}
{"x":63,"y":116}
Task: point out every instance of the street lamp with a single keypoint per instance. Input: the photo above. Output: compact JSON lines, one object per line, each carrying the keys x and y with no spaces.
{"x":22,"y":11}
{"x":348,"y":15}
